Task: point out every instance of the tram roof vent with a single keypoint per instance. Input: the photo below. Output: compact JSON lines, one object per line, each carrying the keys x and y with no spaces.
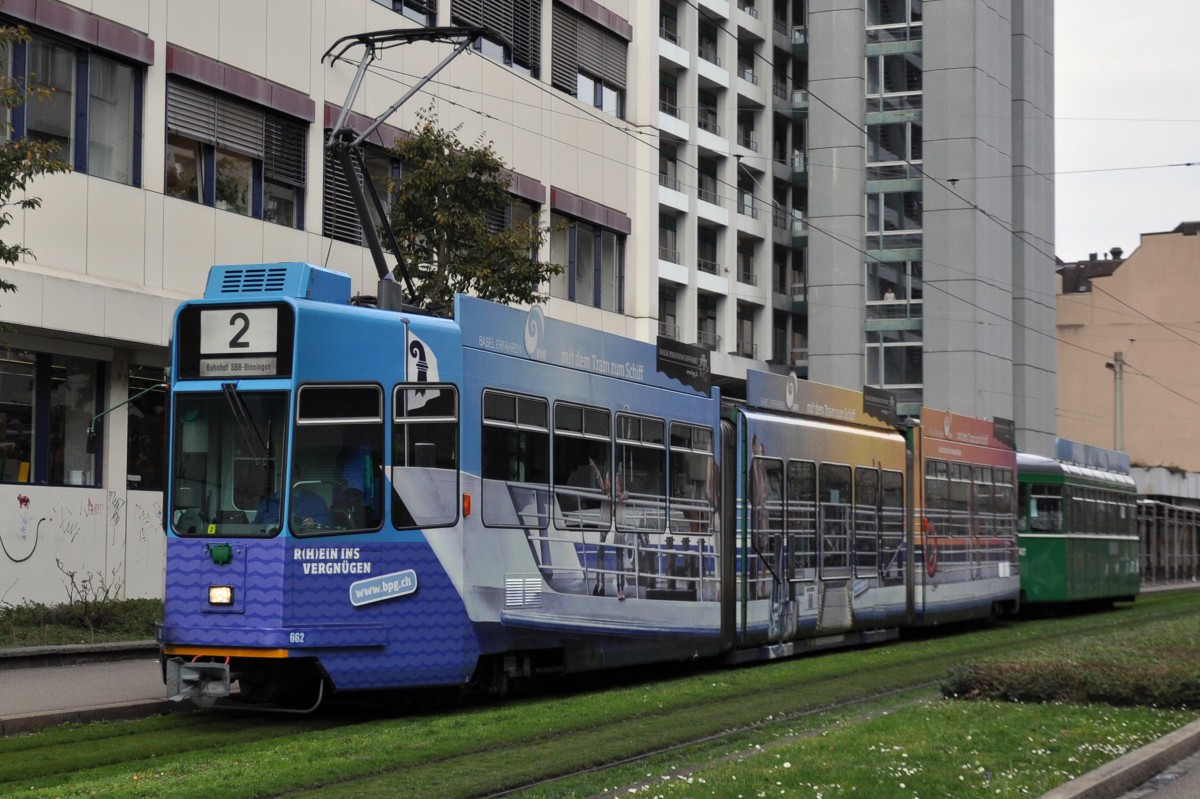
{"x":299,"y":280}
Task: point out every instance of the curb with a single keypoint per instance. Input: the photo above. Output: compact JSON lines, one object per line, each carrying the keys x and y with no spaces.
{"x":73,"y":654}
{"x":35,"y":722}
{"x":1131,"y":770}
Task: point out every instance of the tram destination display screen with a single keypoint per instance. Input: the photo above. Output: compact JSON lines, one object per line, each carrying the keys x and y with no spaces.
{"x":220,"y":342}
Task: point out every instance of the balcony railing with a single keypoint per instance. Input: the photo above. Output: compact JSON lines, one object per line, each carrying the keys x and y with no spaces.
{"x":799,"y":35}
{"x":748,"y":7}
{"x":780,"y":89}
{"x":779,"y":219}
{"x":780,"y":26}
{"x":704,"y":265}
{"x":668,"y":181}
{"x":800,"y":98}
{"x":799,"y":290}
{"x":746,"y":140}
{"x":668,"y":254}
{"x":668,"y":107}
{"x":746,"y":207}
{"x":798,"y":356}
{"x":799,"y":162}
{"x":709,"y":54}
{"x":747,"y":74}
{"x":709,"y":123}
{"x":746,"y":349}
{"x":746,"y":275}
{"x":709,"y":196}
{"x":666,"y":33}
{"x":668,"y":330}
{"x":710,"y":341}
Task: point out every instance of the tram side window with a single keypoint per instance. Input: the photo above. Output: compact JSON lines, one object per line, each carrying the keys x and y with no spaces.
{"x":425,"y":455}
{"x":960,"y":498}
{"x":582,"y":468}
{"x":515,"y":441}
{"x":801,"y":486}
{"x":336,"y":482}
{"x":694,"y":481}
{"x":981,"y":508}
{"x":937,"y":494}
{"x":834,"y":492}
{"x":867,"y":502}
{"x":1045,"y":508}
{"x":891,"y":523}
{"x":641,"y":473}
{"x":1002,"y":499}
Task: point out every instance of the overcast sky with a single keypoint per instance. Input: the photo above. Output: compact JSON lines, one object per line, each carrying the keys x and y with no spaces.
{"x":1127,"y":97}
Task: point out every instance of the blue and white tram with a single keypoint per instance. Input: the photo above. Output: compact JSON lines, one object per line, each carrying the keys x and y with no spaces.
{"x":365,"y":499}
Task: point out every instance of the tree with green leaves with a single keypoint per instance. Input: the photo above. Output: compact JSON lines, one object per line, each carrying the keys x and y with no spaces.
{"x":21,"y":160}
{"x":450,"y":214}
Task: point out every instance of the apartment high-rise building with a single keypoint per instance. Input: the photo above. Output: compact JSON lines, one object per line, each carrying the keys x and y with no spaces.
{"x":861,"y":192}
{"x":857,"y":192}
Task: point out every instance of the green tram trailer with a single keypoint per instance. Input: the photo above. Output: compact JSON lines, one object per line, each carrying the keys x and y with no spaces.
{"x":1077,"y":526}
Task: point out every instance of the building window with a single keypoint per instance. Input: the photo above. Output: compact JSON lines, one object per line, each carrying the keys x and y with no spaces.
{"x":92,"y":112}
{"x":423,"y":12}
{"x":668,"y":319}
{"x":516,"y":21}
{"x":706,"y":321}
{"x":47,"y":404}
{"x":234,"y":156}
{"x":339,"y":216}
{"x":894,"y":361}
{"x":588,"y":61}
{"x":894,"y":290}
{"x":594,"y":261}
{"x":146,"y":447}
{"x":894,"y":211}
{"x":892,"y":148}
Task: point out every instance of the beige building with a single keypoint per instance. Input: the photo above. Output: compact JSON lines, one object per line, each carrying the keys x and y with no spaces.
{"x":1129,"y":336}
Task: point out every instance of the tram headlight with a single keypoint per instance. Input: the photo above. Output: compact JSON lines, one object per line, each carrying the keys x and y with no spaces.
{"x":220,"y":595}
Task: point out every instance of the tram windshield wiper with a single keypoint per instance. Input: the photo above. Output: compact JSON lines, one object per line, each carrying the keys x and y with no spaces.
{"x":258,"y":448}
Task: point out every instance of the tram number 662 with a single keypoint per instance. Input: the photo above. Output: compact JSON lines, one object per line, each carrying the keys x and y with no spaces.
{"x":295,"y":638}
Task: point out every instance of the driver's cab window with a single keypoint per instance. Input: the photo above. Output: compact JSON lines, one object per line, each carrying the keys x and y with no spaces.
{"x":336,"y":482}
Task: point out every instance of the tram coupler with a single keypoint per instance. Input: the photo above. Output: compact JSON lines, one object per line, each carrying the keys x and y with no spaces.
{"x":202,"y":682}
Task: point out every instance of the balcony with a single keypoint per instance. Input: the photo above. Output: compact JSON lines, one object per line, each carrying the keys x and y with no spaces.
{"x":746,"y":139}
{"x":668,"y":330}
{"x":746,"y":275}
{"x":747,"y":74}
{"x":668,"y":107}
{"x":668,"y":254}
{"x":708,"y":121}
{"x":704,"y":265}
{"x":708,"y":195}
{"x":668,"y":181}
{"x":708,"y":51}
{"x":708,"y":340}
{"x":665,"y":32}
{"x":746,"y":207}
{"x":746,"y":349}
{"x":748,"y":7}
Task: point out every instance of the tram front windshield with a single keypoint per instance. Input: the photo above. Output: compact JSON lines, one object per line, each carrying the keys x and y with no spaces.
{"x":227,"y":468}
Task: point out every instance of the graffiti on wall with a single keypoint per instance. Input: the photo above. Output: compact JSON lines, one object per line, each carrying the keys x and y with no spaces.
{"x":88,"y":531}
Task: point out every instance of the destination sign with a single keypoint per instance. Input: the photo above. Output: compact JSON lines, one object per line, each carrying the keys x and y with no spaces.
{"x":219,"y":342}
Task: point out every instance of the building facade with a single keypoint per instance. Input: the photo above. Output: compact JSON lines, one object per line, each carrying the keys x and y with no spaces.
{"x":856,"y":192}
{"x":1129,"y":358}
